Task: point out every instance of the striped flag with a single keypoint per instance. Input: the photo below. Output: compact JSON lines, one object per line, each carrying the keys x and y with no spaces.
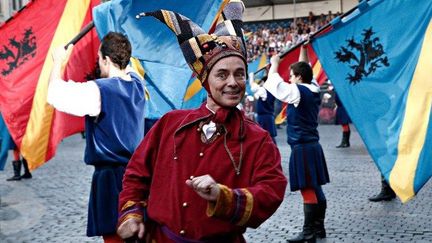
{"x":381,"y":69}
{"x":25,"y":65}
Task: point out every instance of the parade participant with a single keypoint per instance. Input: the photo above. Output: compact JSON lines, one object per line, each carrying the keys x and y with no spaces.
{"x":264,"y":106}
{"x":203,"y":175}
{"x":307,"y":165}
{"x":113,"y":107}
{"x":343,"y":119}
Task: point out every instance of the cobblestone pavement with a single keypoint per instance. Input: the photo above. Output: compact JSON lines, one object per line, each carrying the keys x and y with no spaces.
{"x":52,"y":207}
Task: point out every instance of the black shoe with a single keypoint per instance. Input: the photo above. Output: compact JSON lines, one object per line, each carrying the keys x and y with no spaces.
{"x":383,"y":196}
{"x":301,"y":237}
{"x":386,"y":193}
{"x":308,"y":233}
{"x":320,"y":231}
{"x":27,"y":174}
{"x":14,"y":178}
{"x":345,"y":140}
{"x":17,"y":171}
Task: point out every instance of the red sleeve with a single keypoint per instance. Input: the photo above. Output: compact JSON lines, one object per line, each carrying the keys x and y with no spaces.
{"x":251,"y":206}
{"x":138,"y":175}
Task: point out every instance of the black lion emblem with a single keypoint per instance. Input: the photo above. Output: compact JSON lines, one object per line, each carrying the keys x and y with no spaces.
{"x":18,"y":51}
{"x":364,"y":56}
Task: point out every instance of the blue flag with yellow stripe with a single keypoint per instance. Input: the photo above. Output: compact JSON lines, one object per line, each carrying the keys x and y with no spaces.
{"x":379,"y":59}
{"x":167,"y":74}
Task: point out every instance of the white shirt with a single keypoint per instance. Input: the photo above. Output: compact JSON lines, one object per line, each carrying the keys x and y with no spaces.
{"x":78,"y":99}
{"x":286,"y":92}
{"x":210,"y":128}
{"x":75,"y":98}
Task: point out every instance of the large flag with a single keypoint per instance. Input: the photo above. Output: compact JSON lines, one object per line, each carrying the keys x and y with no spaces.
{"x":379,"y":60}
{"x":167,"y":75}
{"x":25,"y":65}
{"x":6,"y":143}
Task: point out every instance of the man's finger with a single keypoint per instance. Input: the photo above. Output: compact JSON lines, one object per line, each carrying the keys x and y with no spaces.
{"x":141,"y":231}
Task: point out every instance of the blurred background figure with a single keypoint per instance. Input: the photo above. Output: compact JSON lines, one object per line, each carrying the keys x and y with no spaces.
{"x":344,"y":120}
{"x":265,"y":106}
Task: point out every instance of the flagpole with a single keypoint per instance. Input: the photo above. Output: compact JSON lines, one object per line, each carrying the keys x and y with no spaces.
{"x":283,"y":54}
{"x":81,"y":34}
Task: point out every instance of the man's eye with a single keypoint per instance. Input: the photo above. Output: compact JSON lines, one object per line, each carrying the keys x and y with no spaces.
{"x":240,"y":75}
{"x":222,"y":76}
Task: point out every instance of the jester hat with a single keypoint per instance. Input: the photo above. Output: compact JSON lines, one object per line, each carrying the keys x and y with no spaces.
{"x":201,"y":50}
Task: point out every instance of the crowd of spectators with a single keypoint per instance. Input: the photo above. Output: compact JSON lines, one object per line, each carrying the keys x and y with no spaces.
{"x":280,"y":35}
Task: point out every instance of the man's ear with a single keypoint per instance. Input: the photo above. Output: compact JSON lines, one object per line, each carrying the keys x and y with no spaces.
{"x":107,"y":60}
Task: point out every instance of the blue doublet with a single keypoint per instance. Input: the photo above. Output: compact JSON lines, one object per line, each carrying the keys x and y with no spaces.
{"x":265,"y":114}
{"x":113,"y":135}
{"x":342,"y":117}
{"x":307,"y":167}
{"x":111,"y":139}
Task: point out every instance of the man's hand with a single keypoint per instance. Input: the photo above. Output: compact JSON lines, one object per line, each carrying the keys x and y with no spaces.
{"x":274,"y":60}
{"x":130,"y":228}
{"x":205,"y":186}
{"x":60,"y":55}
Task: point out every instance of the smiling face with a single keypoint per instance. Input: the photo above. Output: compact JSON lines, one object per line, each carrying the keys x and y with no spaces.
{"x":227,"y":83}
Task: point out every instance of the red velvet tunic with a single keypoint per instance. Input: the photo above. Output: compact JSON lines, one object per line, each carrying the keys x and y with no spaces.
{"x":174,"y":150}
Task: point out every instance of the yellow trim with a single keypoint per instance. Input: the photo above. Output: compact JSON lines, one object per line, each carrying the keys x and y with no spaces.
{"x":195,"y":47}
{"x":131,"y":216}
{"x":132,"y":203}
{"x":204,"y":38}
{"x":193,"y":89}
{"x":223,"y":204}
{"x":168,"y":21}
{"x":34,"y":144}
{"x":415,"y":123}
{"x":248,"y":208}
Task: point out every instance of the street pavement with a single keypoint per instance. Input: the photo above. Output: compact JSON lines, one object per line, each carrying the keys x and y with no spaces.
{"x":52,"y":207}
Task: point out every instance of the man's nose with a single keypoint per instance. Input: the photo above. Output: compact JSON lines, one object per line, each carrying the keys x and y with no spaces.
{"x":232,"y":81}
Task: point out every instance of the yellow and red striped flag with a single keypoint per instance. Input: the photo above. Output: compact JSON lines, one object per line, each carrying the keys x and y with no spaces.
{"x":25,"y":64}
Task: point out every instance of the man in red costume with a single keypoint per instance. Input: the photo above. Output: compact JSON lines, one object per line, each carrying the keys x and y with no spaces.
{"x":203,"y":175}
